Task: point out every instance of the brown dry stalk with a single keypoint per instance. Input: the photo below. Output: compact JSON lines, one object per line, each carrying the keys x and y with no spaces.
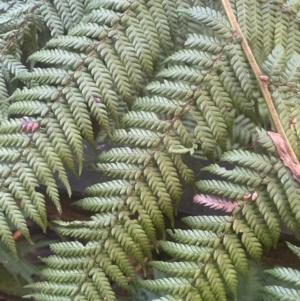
{"x":260,"y":77}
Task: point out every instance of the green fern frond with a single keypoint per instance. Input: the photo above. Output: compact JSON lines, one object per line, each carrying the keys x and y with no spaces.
{"x":213,"y":275}
{"x":219,"y":244}
{"x":52,"y":19}
{"x":289,"y":281}
{"x":110,"y":53}
{"x":281,"y":293}
{"x":113,"y":237}
{"x":285,"y":274}
{"x":212,"y":223}
{"x":241,"y":175}
{"x":268,"y":24}
{"x":187,"y":269}
{"x":58,"y":105}
{"x":20,"y":26}
{"x":269,"y":174}
{"x":295,"y":249}
{"x":250,"y":18}
{"x":212,"y":19}
{"x":177,"y":286}
{"x":283,"y":75}
{"x":196,"y":90}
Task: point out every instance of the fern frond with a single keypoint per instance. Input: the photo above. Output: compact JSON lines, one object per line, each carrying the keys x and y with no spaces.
{"x":212,"y":19}
{"x":273,"y":174}
{"x":212,"y":223}
{"x":145,"y":194}
{"x":220,"y":244}
{"x":285,"y":274}
{"x":267,"y":25}
{"x":284,"y":90}
{"x":58,"y":105}
{"x":275,"y":63}
{"x":113,"y":237}
{"x":250,"y":18}
{"x":177,"y":286}
{"x":188,"y":269}
{"x":196,"y":90}
{"x":295,"y":249}
{"x":289,"y":278}
{"x":108,"y":52}
{"x":20,"y":26}
{"x":282,"y":293}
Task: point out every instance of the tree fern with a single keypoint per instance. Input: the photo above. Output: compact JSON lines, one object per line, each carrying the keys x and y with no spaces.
{"x":150,"y":175}
{"x":104,"y":57}
{"x":261,"y":191}
{"x":103,"y":54}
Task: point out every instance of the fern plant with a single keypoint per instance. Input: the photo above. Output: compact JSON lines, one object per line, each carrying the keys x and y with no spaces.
{"x":106,"y":56}
{"x":184,"y":72}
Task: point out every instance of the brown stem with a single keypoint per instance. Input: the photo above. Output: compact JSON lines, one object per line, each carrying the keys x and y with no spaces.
{"x":260,"y":77}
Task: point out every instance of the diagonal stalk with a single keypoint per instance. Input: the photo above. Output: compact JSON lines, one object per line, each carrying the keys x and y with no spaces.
{"x":260,"y":77}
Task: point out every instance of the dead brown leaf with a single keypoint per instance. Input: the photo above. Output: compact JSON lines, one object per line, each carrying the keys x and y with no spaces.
{"x":283,"y":153}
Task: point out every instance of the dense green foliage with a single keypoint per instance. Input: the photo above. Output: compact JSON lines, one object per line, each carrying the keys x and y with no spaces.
{"x":164,"y":79}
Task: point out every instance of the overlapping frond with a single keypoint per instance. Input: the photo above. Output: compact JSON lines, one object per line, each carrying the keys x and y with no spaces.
{"x":149,"y":186}
{"x":109,"y":54}
{"x":106,"y":53}
{"x":101,"y":53}
{"x":128,"y":212}
{"x":20,"y":25}
{"x":260,"y":191}
{"x":19,"y":268}
{"x":196,"y":92}
{"x":150,"y":170}
{"x":202,"y":82}
{"x":283,"y":72}
{"x":266,"y":24}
